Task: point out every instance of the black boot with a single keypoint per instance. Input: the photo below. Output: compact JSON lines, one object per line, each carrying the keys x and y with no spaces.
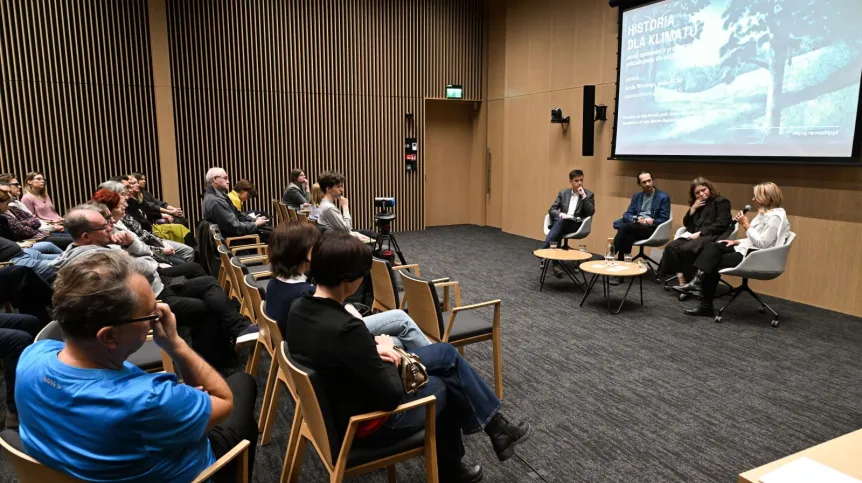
{"x":463,"y":473}
{"x":505,"y":435}
{"x":695,"y":286}
{"x":703,"y":309}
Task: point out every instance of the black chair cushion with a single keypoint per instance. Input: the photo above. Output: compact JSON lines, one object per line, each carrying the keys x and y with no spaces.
{"x":359,"y":455}
{"x":261,"y":286}
{"x":259,"y":268}
{"x":148,"y":357}
{"x":467,"y":324}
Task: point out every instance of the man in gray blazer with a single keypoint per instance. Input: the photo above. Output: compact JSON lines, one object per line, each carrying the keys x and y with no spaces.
{"x":570,"y":208}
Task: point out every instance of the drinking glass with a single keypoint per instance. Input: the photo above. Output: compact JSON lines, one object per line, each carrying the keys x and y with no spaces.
{"x":609,"y":259}
{"x":628,"y":257}
{"x":582,"y":248}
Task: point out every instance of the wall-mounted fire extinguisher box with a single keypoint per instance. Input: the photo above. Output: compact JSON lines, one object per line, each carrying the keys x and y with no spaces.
{"x":410,"y":150}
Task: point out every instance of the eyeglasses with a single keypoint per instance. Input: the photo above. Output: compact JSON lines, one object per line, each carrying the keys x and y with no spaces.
{"x":217,"y":177}
{"x":100,"y":228}
{"x":17,"y":185}
{"x":147,"y":318}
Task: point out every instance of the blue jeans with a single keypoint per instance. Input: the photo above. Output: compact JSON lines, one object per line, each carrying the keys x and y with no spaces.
{"x":561,"y":228}
{"x":17,"y":331}
{"x":46,"y":248}
{"x":400,"y":326}
{"x":464,"y":403}
{"x":41,"y":264}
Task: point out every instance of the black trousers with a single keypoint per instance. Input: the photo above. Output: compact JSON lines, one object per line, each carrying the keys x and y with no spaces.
{"x":628,"y":234}
{"x":17,"y":331}
{"x":239,"y":425}
{"x":679,"y":255}
{"x":27,"y":291}
{"x":202,"y":305}
{"x":713,"y":258}
{"x":561,"y":228}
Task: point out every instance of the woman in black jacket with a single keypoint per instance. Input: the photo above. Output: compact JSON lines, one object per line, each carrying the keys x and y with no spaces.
{"x":360,"y":372}
{"x":708,"y":219}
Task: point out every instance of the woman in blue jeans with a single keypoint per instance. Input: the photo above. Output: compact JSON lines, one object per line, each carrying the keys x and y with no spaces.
{"x":290,"y":255}
{"x":359,"y":373}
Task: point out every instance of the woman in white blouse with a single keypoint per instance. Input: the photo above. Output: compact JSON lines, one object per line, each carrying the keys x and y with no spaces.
{"x":768,"y":229}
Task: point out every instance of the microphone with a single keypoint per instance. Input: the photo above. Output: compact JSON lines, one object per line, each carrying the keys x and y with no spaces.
{"x":746,"y":209}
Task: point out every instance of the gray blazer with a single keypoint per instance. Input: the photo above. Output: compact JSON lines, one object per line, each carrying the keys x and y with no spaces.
{"x":294,"y":196}
{"x":586,"y":206}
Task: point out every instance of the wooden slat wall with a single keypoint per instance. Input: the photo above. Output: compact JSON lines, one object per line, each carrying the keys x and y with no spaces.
{"x":263,"y":87}
{"x":77,"y":95}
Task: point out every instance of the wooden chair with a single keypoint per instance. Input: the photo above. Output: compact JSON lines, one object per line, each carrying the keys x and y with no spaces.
{"x":28,"y":470}
{"x":272,"y":390}
{"x":238,"y":271}
{"x":276,"y":213}
{"x":292,"y":214}
{"x":150,"y":357}
{"x":340,"y":458}
{"x":301,"y":217}
{"x":252,"y":286}
{"x":426,"y":312}
{"x":282,"y":211}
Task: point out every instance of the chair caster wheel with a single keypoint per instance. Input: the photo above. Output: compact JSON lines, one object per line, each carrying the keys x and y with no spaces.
{"x":658,"y":281}
{"x":775,"y":323}
{"x":667,"y":288}
{"x":761,"y":309}
{"x":717,"y":319}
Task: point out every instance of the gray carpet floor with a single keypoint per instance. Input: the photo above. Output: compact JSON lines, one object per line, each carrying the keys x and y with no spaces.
{"x":644,"y":396}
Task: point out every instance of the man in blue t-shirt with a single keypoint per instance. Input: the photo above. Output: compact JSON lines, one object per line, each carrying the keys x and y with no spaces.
{"x":88,"y":412}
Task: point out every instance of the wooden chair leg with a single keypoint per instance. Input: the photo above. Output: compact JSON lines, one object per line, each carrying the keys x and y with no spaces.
{"x":292,"y":446}
{"x":270,"y":417}
{"x":271,"y":379}
{"x":498,"y":364}
{"x":242,"y":469}
{"x":254,"y":359}
{"x":296,"y":461}
{"x":461,"y":350}
{"x":390,"y":473}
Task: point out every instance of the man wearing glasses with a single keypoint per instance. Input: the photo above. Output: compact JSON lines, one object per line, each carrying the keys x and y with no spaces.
{"x":198,"y":302}
{"x":88,"y":412}
{"x":218,"y":209}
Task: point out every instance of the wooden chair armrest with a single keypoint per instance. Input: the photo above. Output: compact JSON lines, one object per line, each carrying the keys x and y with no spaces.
{"x":239,"y":449}
{"x":244,"y":237}
{"x":414,"y":266}
{"x":447,"y":283}
{"x":3,"y":264}
{"x":253,"y":258}
{"x":477,"y":306}
{"x":439,"y":280}
{"x":355,"y":420}
{"x":445,"y":286}
{"x":261,"y":275}
{"x":255,"y":246}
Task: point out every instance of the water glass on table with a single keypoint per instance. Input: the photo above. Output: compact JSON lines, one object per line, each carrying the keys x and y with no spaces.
{"x":582,"y":248}
{"x":609,"y":258}
{"x":628,"y":258}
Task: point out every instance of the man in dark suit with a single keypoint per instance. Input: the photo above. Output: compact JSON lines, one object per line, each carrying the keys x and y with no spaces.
{"x":648,"y":209}
{"x":570,"y":208}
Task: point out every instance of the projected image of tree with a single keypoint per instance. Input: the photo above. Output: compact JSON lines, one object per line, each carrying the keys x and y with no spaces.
{"x":770,"y":33}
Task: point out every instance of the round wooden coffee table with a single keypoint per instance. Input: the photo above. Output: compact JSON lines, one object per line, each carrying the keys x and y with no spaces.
{"x":600,"y":268}
{"x":562,"y":256}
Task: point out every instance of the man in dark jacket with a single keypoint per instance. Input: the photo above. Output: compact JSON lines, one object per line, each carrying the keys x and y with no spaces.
{"x":570,"y":208}
{"x":648,"y":209}
{"x":218,"y":210}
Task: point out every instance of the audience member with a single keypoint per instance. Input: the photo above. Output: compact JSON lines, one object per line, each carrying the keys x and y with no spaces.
{"x":360,"y":374}
{"x":26,"y":291}
{"x":297,"y":194}
{"x":23,"y":255}
{"x":17,"y":331}
{"x":18,"y":225}
{"x":242,"y":191}
{"x":136,"y":201}
{"x":148,"y":427}
{"x":708,"y":219}
{"x":166,"y":251}
{"x":648,"y":209}
{"x":290,"y":254}
{"x":218,"y":210}
{"x":162,"y":225}
{"x":768,"y":229}
{"x":196,"y":298}
{"x":37,"y":201}
{"x":151,"y":200}
{"x":316,"y":198}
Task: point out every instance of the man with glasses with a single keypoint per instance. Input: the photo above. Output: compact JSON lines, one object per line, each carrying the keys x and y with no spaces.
{"x":218,"y":209}
{"x":198,"y":302}
{"x":86,"y":411}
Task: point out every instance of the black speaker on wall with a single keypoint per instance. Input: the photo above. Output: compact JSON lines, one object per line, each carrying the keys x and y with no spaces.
{"x":589,"y":120}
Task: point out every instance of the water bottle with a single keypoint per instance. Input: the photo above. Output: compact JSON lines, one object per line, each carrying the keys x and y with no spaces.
{"x":610,"y":253}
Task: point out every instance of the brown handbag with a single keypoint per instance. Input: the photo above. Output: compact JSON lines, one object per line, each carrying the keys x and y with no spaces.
{"x":413,"y":373}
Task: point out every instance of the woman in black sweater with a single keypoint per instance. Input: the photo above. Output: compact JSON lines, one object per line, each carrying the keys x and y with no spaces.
{"x":360,"y":374}
{"x":708,"y":219}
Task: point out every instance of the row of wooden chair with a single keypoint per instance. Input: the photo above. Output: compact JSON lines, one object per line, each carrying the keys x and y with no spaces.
{"x":286,"y":214}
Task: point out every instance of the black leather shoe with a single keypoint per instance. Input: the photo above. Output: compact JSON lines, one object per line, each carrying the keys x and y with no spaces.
{"x":464,"y":473}
{"x":702,"y":310}
{"x":683,"y":296}
{"x":505,"y":435}
{"x":558,"y":272}
{"x":614,"y":280}
{"x":695,"y":286}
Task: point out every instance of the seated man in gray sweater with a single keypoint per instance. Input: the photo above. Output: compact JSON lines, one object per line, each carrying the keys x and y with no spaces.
{"x":199,"y":302}
{"x":334,"y":215}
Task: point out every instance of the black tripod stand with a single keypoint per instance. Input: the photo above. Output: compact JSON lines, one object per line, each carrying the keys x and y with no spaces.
{"x":385,"y":238}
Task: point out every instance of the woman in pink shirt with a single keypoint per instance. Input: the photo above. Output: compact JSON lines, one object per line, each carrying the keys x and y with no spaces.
{"x":36,"y":199}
